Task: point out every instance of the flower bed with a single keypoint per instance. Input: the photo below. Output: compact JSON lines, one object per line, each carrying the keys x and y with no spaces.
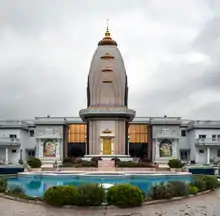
{"x":120,"y":195}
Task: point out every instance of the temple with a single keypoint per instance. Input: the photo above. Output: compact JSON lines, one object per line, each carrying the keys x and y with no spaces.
{"x":107,"y":114}
{"x":107,"y":127}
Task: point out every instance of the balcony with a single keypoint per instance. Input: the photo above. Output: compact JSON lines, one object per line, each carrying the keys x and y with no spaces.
{"x":207,"y":141}
{"x":7,"y":141}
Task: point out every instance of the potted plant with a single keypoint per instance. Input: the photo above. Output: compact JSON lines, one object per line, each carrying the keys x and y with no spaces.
{"x":175,"y":165}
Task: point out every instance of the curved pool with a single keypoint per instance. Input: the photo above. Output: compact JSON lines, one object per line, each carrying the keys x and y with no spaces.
{"x":35,"y":184}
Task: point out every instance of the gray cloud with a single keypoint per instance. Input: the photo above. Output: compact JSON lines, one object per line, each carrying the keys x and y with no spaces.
{"x":171,"y":52}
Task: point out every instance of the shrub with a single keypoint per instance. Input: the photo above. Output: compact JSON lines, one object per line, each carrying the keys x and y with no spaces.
{"x":162,"y":191}
{"x":211,"y":182}
{"x":17,"y":191}
{"x":193,"y":189}
{"x":96,"y":159}
{"x":125,"y":195}
{"x":175,"y":163}
{"x":80,"y":163}
{"x":3,"y":185}
{"x":61,"y":195}
{"x":145,"y":159}
{"x":34,"y":162}
{"x":86,"y":164}
{"x":133,"y":164}
{"x":90,"y":195}
{"x":180,"y":188}
{"x":200,"y":184}
{"x":68,"y":160}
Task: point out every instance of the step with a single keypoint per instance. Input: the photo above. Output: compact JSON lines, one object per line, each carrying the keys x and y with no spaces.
{"x":106,"y":163}
{"x":113,"y":169}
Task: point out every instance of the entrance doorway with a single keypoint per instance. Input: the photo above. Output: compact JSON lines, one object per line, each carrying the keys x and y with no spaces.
{"x":107,"y":146}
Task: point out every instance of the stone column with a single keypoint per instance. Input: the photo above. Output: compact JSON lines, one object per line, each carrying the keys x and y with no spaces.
{"x":208,"y":155}
{"x":6,"y":155}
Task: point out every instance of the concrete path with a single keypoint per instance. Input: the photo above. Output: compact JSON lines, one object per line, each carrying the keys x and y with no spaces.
{"x":205,"y":205}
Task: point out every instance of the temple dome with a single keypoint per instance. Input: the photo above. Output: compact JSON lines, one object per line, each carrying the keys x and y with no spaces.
{"x":107,"y":40}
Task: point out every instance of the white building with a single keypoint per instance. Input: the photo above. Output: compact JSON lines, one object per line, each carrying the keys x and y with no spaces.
{"x":196,"y":141}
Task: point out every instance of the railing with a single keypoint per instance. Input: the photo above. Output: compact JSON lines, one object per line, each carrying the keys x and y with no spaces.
{"x":208,"y":141}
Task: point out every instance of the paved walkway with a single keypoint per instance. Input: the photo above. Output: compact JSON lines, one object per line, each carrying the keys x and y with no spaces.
{"x":205,"y":205}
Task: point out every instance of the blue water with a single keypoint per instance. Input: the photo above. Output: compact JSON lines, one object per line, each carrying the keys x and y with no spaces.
{"x":36,"y":185}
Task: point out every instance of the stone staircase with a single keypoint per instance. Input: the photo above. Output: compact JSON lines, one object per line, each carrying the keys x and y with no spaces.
{"x":106,"y":165}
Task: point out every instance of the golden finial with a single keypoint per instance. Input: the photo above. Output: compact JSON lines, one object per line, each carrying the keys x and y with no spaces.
{"x":107,"y":33}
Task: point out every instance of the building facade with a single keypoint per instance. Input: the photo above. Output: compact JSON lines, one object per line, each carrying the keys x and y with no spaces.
{"x":159,"y":138}
{"x":107,"y":127}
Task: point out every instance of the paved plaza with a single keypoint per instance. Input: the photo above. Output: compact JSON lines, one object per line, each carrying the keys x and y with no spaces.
{"x":197,"y":206}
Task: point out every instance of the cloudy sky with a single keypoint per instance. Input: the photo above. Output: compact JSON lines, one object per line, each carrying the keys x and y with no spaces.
{"x":171,"y":50}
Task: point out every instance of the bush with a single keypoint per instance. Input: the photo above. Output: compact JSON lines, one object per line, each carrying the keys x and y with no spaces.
{"x":162,"y":191}
{"x":17,"y":191}
{"x":86,"y":164}
{"x":71,"y":160}
{"x":34,"y":162}
{"x":3,"y":185}
{"x":175,"y":163}
{"x":96,"y":159}
{"x":125,"y":195}
{"x":193,"y":189}
{"x":180,"y":188}
{"x":61,"y":195}
{"x":133,"y":164}
{"x":90,"y":195}
{"x":200,"y":184}
{"x":145,"y":159}
{"x":79,"y":163}
{"x":211,"y":182}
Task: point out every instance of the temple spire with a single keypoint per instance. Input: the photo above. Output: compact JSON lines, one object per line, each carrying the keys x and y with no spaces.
{"x":107,"y":33}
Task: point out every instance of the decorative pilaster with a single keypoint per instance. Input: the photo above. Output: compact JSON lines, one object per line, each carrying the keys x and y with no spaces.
{"x":157,"y":148}
{"x":6,"y":155}
{"x":41,"y":148}
{"x":57,"y":143}
{"x":101,"y":147}
{"x":112,"y":146}
{"x":208,"y":155}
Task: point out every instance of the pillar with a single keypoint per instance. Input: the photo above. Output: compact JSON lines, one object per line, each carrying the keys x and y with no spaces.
{"x":208,"y":155}
{"x":157,"y":150}
{"x":128,"y":138}
{"x":6,"y":155}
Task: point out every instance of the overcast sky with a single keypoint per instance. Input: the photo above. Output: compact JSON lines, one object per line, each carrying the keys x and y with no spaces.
{"x":171,"y":50}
